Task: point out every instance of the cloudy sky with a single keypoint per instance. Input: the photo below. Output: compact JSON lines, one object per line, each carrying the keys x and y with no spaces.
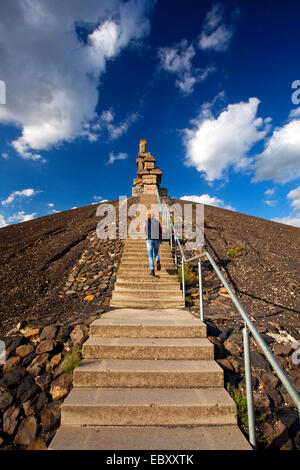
{"x":213,"y":86}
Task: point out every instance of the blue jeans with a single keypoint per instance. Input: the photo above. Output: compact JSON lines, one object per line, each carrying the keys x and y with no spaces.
{"x":153,"y":247}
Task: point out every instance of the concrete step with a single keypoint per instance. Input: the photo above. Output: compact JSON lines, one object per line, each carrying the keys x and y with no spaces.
{"x":148,"y":323}
{"x":143,"y":249}
{"x":151,"y":407}
{"x":146,"y":294}
{"x":143,"y":263}
{"x":144,"y":255}
{"x":121,"y":438}
{"x":159,"y":277}
{"x":148,"y":373}
{"x":145,"y":270}
{"x":148,"y":348}
{"x":147,"y":303}
{"x":160,"y":285}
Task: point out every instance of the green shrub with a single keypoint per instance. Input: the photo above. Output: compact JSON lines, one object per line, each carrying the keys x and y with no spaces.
{"x":72,"y":361}
{"x":235,"y":252}
{"x":240,"y":399}
{"x":190,"y":278}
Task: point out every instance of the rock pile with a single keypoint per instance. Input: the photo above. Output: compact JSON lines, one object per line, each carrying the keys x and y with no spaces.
{"x":34,"y":382}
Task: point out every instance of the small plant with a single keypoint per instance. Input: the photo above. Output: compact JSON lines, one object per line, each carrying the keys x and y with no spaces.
{"x":235,"y":252}
{"x":189,"y":277}
{"x":187,"y":300}
{"x":72,"y":361}
{"x":241,"y":402}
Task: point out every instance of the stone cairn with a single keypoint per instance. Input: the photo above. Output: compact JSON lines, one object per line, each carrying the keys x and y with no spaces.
{"x":148,"y":177}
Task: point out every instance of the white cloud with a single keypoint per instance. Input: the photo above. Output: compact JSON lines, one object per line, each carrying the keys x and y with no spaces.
{"x":21,"y":217}
{"x":269,"y":192}
{"x":5,"y":155}
{"x":50,"y":204}
{"x":271,"y":203}
{"x":294,"y":195}
{"x":106,"y":122}
{"x":213,"y":145}
{"x":56,"y":94}
{"x":2,"y":221}
{"x":208,"y":200}
{"x":294,"y":113}
{"x":19,"y":194}
{"x":215,"y":34}
{"x":177,"y":60}
{"x":280,"y":160}
{"x":113,"y":157}
{"x":289,"y":220}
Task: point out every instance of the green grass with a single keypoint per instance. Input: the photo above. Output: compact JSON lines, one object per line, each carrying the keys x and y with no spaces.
{"x":72,"y":361}
{"x":240,"y":399}
{"x":235,"y":252}
{"x":190,"y":278}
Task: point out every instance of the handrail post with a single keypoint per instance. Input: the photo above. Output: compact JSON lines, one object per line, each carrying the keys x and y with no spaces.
{"x":175,"y":243}
{"x":200,"y":291}
{"x":183,"y":279}
{"x":249,"y":389}
{"x":170,"y":229}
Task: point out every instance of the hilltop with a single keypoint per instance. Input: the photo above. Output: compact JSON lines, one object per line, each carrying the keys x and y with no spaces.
{"x":259,"y":257}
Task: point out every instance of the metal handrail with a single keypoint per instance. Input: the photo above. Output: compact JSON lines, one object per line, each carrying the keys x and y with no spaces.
{"x":249,"y":326}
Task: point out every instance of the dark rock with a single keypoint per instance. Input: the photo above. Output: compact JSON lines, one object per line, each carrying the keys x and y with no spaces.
{"x":43,"y":380}
{"x":50,"y":416}
{"x":10,"y":419}
{"x":220,"y":351}
{"x":262,"y":401}
{"x":273,"y":394}
{"x":237,"y":364}
{"x":233,"y":348}
{"x":268,"y":378}
{"x":26,"y":431}
{"x":259,"y":362}
{"x":11,"y":364}
{"x":26,"y":389}
{"x":41,"y":401}
{"x":63,"y":334}
{"x":29,"y":407}
{"x":254,"y":381}
{"x":28,"y":359}
{"x":11,"y":379}
{"x":225,"y":332}
{"x":268,"y":339}
{"x":15,"y":343}
{"x":61,"y":386}
{"x":225,"y":364}
{"x":212,"y":330}
{"x":38,"y":364}
{"x":48,"y":345}
{"x":79,"y":334}
{"x":49,"y":332}
{"x":289,"y":416}
{"x":5,"y":400}
{"x":38,"y":444}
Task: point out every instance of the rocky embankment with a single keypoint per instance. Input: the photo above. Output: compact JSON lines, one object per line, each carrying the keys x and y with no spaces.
{"x":35,"y":379}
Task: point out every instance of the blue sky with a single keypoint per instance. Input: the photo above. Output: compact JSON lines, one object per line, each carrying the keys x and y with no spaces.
{"x":208,"y":84}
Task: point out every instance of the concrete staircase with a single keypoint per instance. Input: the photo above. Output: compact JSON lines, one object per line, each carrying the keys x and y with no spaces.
{"x":134,"y":286}
{"x":148,"y":380}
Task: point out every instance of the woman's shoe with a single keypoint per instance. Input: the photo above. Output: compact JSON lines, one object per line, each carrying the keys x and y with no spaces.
{"x":158,"y":265}
{"x":152,"y":272}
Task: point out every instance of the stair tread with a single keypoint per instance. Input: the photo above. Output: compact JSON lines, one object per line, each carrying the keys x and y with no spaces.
{"x":147,"y":365}
{"x":166,"y":342}
{"x":147,"y":438}
{"x":90,"y":396}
